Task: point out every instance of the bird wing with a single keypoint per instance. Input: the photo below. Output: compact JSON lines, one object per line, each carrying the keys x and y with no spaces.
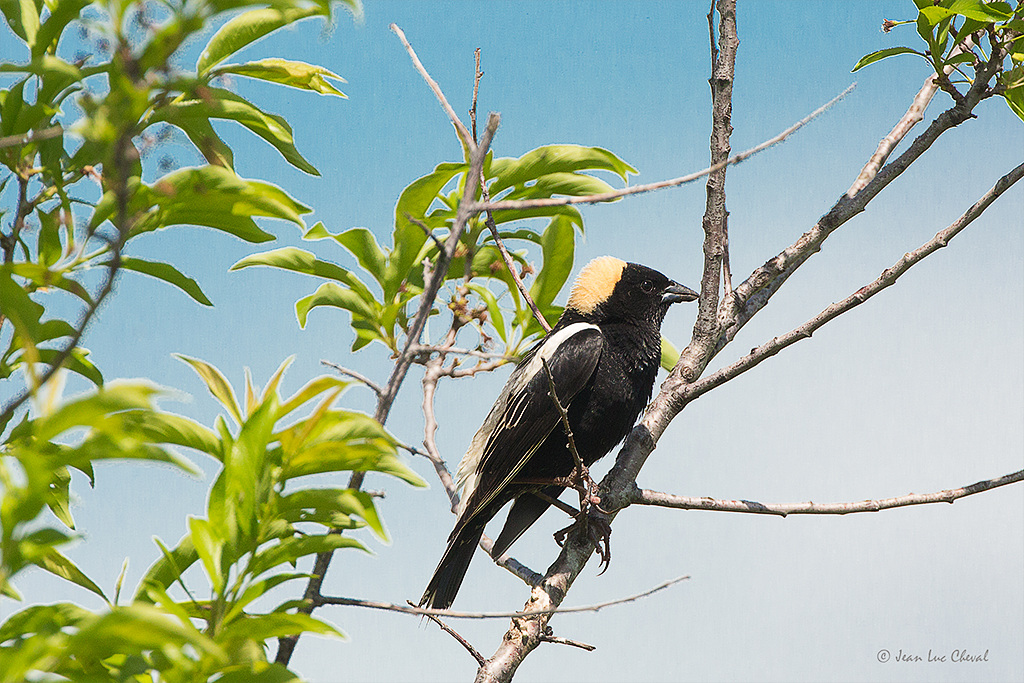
{"x":524,"y":413}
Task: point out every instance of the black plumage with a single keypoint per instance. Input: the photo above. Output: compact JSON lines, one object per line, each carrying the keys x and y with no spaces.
{"x":603,"y":355}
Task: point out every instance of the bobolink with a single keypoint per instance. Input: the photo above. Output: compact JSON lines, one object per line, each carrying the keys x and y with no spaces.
{"x":603,"y":356}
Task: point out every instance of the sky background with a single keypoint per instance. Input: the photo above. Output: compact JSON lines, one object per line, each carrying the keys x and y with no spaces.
{"x":920,"y":389}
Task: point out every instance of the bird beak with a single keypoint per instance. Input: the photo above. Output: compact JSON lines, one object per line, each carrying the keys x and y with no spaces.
{"x":676,"y":293}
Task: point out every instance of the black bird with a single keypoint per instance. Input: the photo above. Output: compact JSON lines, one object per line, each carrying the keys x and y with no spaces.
{"x":603,"y":356}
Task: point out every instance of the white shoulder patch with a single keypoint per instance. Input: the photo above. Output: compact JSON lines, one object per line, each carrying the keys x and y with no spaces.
{"x":467,"y":477}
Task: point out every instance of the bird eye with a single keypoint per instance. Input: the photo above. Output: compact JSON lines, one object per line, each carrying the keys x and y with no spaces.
{"x":647,"y":286}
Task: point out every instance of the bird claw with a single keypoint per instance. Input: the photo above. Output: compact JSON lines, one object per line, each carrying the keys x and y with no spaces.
{"x":598,"y":532}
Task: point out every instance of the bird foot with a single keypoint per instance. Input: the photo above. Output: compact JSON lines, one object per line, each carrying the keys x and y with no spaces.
{"x":599,"y":533}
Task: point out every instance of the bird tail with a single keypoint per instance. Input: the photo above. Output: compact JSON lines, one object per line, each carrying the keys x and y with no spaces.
{"x":447,"y":578}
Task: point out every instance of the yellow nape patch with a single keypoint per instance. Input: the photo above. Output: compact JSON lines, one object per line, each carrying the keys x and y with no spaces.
{"x":595,"y":283}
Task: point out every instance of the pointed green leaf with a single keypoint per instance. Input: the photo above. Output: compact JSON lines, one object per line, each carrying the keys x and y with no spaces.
{"x":167,"y":273}
{"x":882,"y":54}
{"x":330,"y":294}
{"x":216,"y":383}
{"x":291,"y":549}
{"x":286,"y":72}
{"x":219,"y":103}
{"x":542,"y":161}
{"x":249,"y":27}
{"x":56,"y":563}
{"x":558,"y":245}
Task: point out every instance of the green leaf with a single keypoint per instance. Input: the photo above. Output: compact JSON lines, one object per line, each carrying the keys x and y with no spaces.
{"x":249,"y":27}
{"x":167,"y":273}
{"x":301,"y":261}
{"x":166,"y":428}
{"x":62,"y":13}
{"x":330,"y":294}
{"x":137,"y":628}
{"x":262,"y":627}
{"x":493,"y":309}
{"x":345,"y":501}
{"x":256,"y":590}
{"x":168,"y":568}
{"x":224,"y":104}
{"x":542,"y":161}
{"x":553,"y":184}
{"x":206,"y":140}
{"x":260,"y":672}
{"x":669,"y":355}
{"x":312,"y":389}
{"x":361,"y":243}
{"x":882,"y":54}
{"x":86,"y":411}
{"x":78,"y":362}
{"x":558,"y":245}
{"x":216,"y":383}
{"x":291,"y":549}
{"x":23,"y":18}
{"x":981,"y":11}
{"x":210,"y":548}
{"x":408,"y":237}
{"x":56,"y":563}
{"x":293,"y":74}
{"x":210,"y":196}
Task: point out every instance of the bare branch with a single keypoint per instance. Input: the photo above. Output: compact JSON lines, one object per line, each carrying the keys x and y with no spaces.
{"x":914,"y":115}
{"x":286,"y":644}
{"x":565,"y":641}
{"x":354,"y":375}
{"x":459,"y":126}
{"x":645,"y":497}
{"x":493,"y":227}
{"x":419,"y":611}
{"x":519,"y":204}
{"x":886,"y":279}
{"x":418,"y":349}
{"x":31,"y":136}
{"x":453,"y":633}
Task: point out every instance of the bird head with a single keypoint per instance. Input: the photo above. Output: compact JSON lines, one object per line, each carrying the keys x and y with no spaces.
{"x":610,"y":289}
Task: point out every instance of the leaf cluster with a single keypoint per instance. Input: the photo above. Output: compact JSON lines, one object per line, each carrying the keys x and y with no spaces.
{"x":954,"y":32}
{"x":260,"y":521}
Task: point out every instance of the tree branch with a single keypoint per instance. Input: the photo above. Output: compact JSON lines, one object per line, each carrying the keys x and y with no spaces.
{"x":914,"y":115}
{"x":460,"y":127}
{"x":646,"y":497}
{"x":286,"y":644}
{"x":526,"y":614}
{"x":888,"y":277}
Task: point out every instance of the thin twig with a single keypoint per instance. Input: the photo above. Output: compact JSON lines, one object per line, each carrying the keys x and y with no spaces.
{"x":646,"y":497}
{"x":423,"y":226}
{"x":565,"y":641}
{"x":419,"y":611}
{"x":477,"y":75}
{"x":286,"y":644}
{"x":373,"y":386}
{"x":459,"y":126}
{"x":31,"y":136}
{"x":454,"y":634}
{"x":485,"y":196}
{"x":565,"y":418}
{"x":511,"y":266}
{"x":519,"y":204}
{"x":418,"y":349}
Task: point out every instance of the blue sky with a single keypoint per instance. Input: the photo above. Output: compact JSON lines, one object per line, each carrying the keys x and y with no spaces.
{"x":920,"y":389}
